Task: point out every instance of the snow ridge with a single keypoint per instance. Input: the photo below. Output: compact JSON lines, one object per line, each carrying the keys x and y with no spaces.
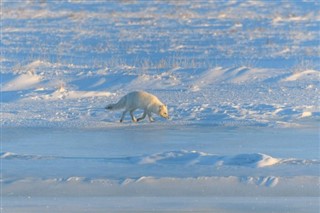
{"x":255,"y":160}
{"x":183,"y":157}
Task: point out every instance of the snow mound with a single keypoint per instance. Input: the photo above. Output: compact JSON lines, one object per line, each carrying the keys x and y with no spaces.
{"x":234,"y":75}
{"x":256,"y":160}
{"x":304,"y":75}
{"x":22,"y":82}
{"x":7,"y":155}
{"x":174,"y":157}
{"x":63,"y":93}
{"x":36,"y":64}
{"x":14,"y":156}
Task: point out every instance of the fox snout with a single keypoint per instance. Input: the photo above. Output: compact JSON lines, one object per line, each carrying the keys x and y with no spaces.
{"x":163,"y":111}
{"x":165,"y":115}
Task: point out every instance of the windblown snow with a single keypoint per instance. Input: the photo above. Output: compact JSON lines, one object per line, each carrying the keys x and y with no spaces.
{"x":216,"y":68}
{"x":198,"y":158}
{"x":240,"y":78}
{"x":179,"y":157}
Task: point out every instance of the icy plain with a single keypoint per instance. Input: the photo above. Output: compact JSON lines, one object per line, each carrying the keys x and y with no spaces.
{"x":240,"y":78}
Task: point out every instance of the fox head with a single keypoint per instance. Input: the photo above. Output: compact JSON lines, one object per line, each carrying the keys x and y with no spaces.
{"x":163,"y":111}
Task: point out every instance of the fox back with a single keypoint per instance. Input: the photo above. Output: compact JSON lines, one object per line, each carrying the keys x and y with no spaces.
{"x":141,"y":100}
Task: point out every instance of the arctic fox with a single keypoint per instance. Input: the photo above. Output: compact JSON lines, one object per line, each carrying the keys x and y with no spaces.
{"x":140,"y":100}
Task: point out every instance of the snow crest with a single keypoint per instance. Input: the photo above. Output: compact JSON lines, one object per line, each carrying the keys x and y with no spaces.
{"x":256,"y":160}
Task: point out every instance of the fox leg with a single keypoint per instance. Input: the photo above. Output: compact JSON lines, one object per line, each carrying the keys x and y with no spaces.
{"x":132,"y":116}
{"x":143,"y":116}
{"x":123,"y":114}
{"x":150,"y":117}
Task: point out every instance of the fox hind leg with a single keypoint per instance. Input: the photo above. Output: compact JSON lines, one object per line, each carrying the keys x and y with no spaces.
{"x":123,"y":114}
{"x":143,"y":116}
{"x":150,"y":117}
{"x":132,"y":116}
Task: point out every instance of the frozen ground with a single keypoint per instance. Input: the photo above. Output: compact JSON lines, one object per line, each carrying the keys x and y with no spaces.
{"x":241,"y":79}
{"x":161,"y":169}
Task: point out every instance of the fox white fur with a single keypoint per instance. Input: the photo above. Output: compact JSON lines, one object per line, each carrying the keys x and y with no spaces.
{"x":140,"y":100}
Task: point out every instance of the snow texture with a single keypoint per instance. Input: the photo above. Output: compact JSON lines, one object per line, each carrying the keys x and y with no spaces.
{"x":240,"y":78}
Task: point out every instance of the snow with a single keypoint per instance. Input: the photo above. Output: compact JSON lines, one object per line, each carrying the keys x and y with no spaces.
{"x":256,"y":160}
{"x":240,"y":78}
{"x":304,"y":75}
{"x":22,"y":82}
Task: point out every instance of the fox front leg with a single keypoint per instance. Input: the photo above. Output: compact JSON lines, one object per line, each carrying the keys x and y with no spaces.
{"x":123,"y":114}
{"x":132,"y":116}
{"x":150,"y":117}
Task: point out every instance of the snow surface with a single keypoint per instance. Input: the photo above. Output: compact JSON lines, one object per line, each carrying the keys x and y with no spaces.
{"x":240,"y":78}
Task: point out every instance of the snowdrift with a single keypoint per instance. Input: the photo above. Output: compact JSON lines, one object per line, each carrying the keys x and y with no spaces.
{"x":240,"y":78}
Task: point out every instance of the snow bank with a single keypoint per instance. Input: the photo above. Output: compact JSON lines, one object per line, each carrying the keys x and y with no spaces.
{"x":304,"y":75}
{"x":22,"y":82}
{"x":256,"y":160}
{"x":238,"y":75}
{"x":183,"y":158}
{"x":63,"y":93}
{"x":14,"y":156}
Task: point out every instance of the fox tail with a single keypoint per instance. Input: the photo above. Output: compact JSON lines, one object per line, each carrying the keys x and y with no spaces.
{"x":119,"y":105}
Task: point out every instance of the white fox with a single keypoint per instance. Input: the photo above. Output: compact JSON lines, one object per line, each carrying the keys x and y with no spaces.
{"x":140,"y":100}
